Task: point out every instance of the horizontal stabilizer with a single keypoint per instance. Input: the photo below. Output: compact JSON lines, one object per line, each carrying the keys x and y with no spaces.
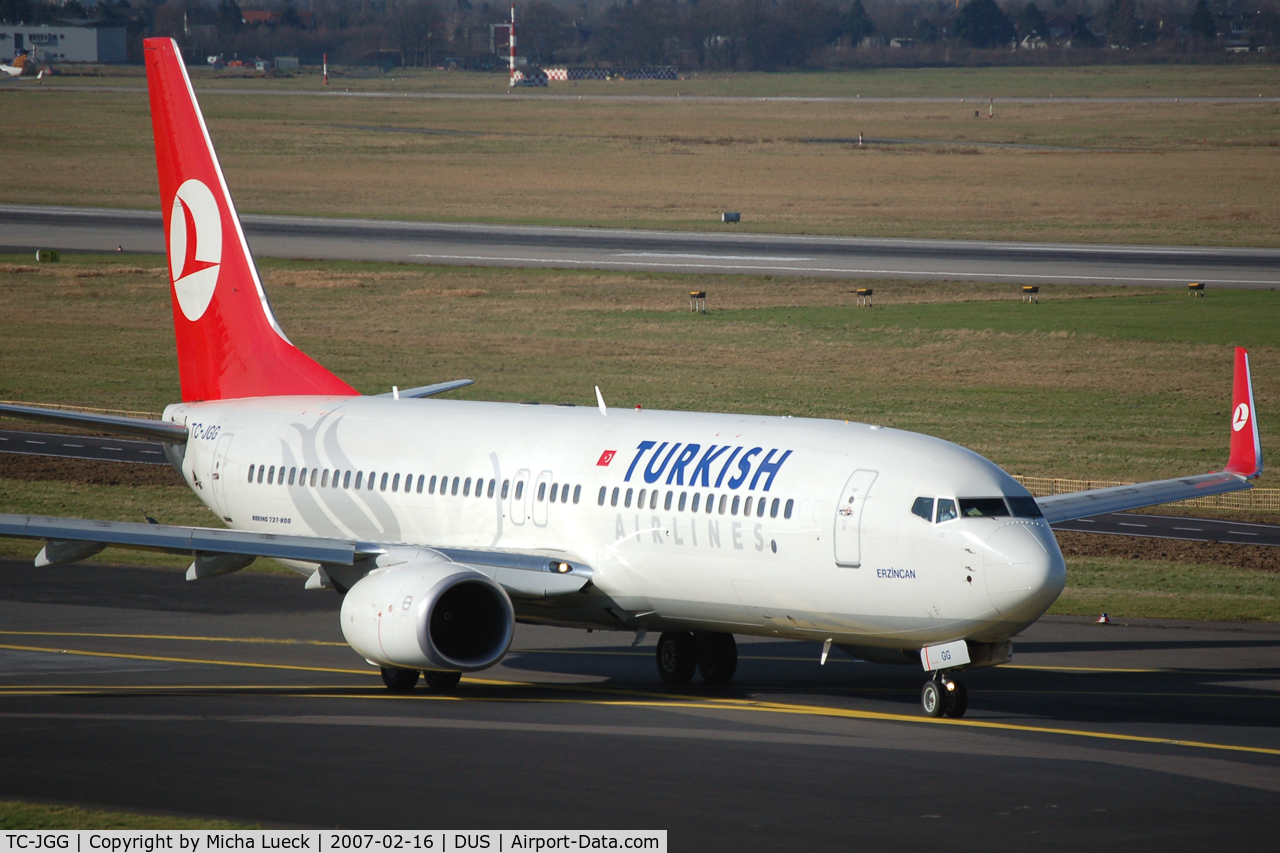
{"x":172,"y":433}
{"x":432,"y":390}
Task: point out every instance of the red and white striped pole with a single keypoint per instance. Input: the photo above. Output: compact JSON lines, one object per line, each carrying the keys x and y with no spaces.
{"x":512,"y":41}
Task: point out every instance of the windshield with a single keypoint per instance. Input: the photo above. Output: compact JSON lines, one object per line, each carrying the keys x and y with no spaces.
{"x":1025,"y":507}
{"x":982,"y":507}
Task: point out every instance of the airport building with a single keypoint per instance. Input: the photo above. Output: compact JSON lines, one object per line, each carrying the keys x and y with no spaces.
{"x":91,"y":42}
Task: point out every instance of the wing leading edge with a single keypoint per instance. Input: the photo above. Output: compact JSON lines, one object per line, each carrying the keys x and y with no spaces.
{"x":1243,"y":465}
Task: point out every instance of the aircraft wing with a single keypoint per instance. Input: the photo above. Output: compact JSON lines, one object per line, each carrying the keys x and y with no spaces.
{"x":161,"y":430}
{"x":1073,"y":505}
{"x":218,"y":551}
{"x":1243,"y":465}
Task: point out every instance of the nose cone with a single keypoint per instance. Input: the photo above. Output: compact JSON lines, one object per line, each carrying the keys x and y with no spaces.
{"x":1025,"y":572}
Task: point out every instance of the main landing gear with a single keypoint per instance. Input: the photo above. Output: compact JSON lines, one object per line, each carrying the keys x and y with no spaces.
{"x":680,"y":653}
{"x":404,"y":680}
{"x":943,"y":696}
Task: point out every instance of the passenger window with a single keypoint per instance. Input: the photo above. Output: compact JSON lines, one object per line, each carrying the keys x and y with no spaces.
{"x":555,"y":490}
{"x":773,"y":508}
{"x":1025,"y":507}
{"x":505,"y":485}
{"x":627,"y":500}
{"x":684,"y":496}
{"x":923,"y":507}
{"x":292,"y":473}
{"x":271,"y":475}
{"x":314,"y":473}
{"x":395,"y":483}
{"x":324,"y":479}
{"x":613,"y":500}
{"x":493,"y":484}
{"x":302,"y":478}
{"x":519,"y":489}
{"x":604,"y":490}
{"x":346,"y":481}
{"x":734,"y":509}
{"x":466,"y":488}
{"x":359,"y":479}
{"x":711,"y":503}
{"x":640,"y":499}
{"x":422,"y":478}
{"x":653,"y":499}
{"x":786,"y":513}
{"x":693,"y":507}
{"x":946,"y":509}
{"x":577,"y":493}
{"x":431,"y":485}
{"x":746,"y":506}
{"x":724,"y":502}
{"x":250,"y":473}
{"x":373,"y":476}
{"x":261,"y":471}
{"x":542,"y":491}
{"x":454,"y":490}
{"x":564,"y":493}
{"x":383,"y":486}
{"x":666,"y":502}
{"x":760,"y":508}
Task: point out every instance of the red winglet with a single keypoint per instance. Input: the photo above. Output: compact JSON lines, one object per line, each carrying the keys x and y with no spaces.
{"x":229,"y":342}
{"x":1246,"y":448}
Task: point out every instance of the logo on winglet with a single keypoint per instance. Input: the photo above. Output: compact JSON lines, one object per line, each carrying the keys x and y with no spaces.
{"x":195,"y":277}
{"x":1241,"y":417}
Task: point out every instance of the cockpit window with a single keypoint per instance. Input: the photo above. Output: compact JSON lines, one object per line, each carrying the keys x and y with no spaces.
{"x":983,"y":507}
{"x":1025,"y":507}
{"x":923,"y":507}
{"x":946,"y":509}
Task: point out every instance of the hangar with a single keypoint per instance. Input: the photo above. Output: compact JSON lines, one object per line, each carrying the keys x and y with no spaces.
{"x":90,"y":42}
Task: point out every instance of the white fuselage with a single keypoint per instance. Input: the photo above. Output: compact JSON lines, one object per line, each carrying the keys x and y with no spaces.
{"x":812,"y":564}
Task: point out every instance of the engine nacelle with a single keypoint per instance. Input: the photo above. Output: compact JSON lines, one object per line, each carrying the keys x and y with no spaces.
{"x":428,"y":613}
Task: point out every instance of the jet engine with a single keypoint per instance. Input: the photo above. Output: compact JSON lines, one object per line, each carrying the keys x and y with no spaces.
{"x":428,"y":613}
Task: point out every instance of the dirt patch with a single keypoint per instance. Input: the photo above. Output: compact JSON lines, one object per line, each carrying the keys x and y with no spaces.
{"x":1263,"y":558}
{"x":19,"y":466}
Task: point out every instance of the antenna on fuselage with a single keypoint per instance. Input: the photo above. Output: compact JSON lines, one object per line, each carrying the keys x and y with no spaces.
{"x":600,"y":400}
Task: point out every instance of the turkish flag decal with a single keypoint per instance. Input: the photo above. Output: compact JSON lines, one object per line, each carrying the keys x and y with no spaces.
{"x":606,"y":458}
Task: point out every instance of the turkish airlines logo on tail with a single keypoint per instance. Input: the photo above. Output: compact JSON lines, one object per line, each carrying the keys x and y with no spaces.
{"x":195,"y":273}
{"x":1240,"y":418}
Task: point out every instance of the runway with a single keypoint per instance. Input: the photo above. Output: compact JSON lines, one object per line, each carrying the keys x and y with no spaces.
{"x":69,"y":446}
{"x":25,"y":228}
{"x":129,"y":688}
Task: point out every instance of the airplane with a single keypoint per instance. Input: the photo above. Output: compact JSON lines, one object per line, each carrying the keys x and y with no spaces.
{"x":444,"y":522}
{"x":18,"y":67}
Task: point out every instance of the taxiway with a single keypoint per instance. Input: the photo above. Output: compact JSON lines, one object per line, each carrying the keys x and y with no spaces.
{"x":236,"y":697}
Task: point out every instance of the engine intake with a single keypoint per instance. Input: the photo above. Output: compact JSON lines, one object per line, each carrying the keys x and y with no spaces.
{"x":428,"y":613}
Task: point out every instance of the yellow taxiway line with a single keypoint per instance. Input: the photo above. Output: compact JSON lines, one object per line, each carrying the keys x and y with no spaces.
{"x":643,"y":700}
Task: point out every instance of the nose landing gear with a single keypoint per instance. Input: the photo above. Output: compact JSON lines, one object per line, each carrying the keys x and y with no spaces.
{"x":943,"y":696}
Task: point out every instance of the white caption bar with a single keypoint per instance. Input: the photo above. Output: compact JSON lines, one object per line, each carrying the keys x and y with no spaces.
{"x":437,"y":841}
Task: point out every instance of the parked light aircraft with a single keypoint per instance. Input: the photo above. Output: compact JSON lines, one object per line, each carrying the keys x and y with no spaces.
{"x":444,"y":522}
{"x":18,"y":67}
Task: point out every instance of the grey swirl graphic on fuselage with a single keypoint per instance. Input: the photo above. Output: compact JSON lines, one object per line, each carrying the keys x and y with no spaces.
{"x":497,"y":504}
{"x":380,"y":522}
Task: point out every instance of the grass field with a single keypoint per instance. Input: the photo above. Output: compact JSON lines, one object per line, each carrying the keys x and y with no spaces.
{"x":1115,"y":172}
{"x":1093,"y":383}
{"x":1241,"y":80}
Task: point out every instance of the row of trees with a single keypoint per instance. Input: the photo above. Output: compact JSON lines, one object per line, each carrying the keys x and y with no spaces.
{"x":693,"y":34}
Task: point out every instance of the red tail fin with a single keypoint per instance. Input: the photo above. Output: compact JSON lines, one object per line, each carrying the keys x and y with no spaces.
{"x":1246,"y":448}
{"x":229,"y":343}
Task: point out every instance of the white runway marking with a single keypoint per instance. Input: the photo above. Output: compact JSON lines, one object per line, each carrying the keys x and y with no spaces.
{"x":834,"y":270}
{"x":774,"y":258}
